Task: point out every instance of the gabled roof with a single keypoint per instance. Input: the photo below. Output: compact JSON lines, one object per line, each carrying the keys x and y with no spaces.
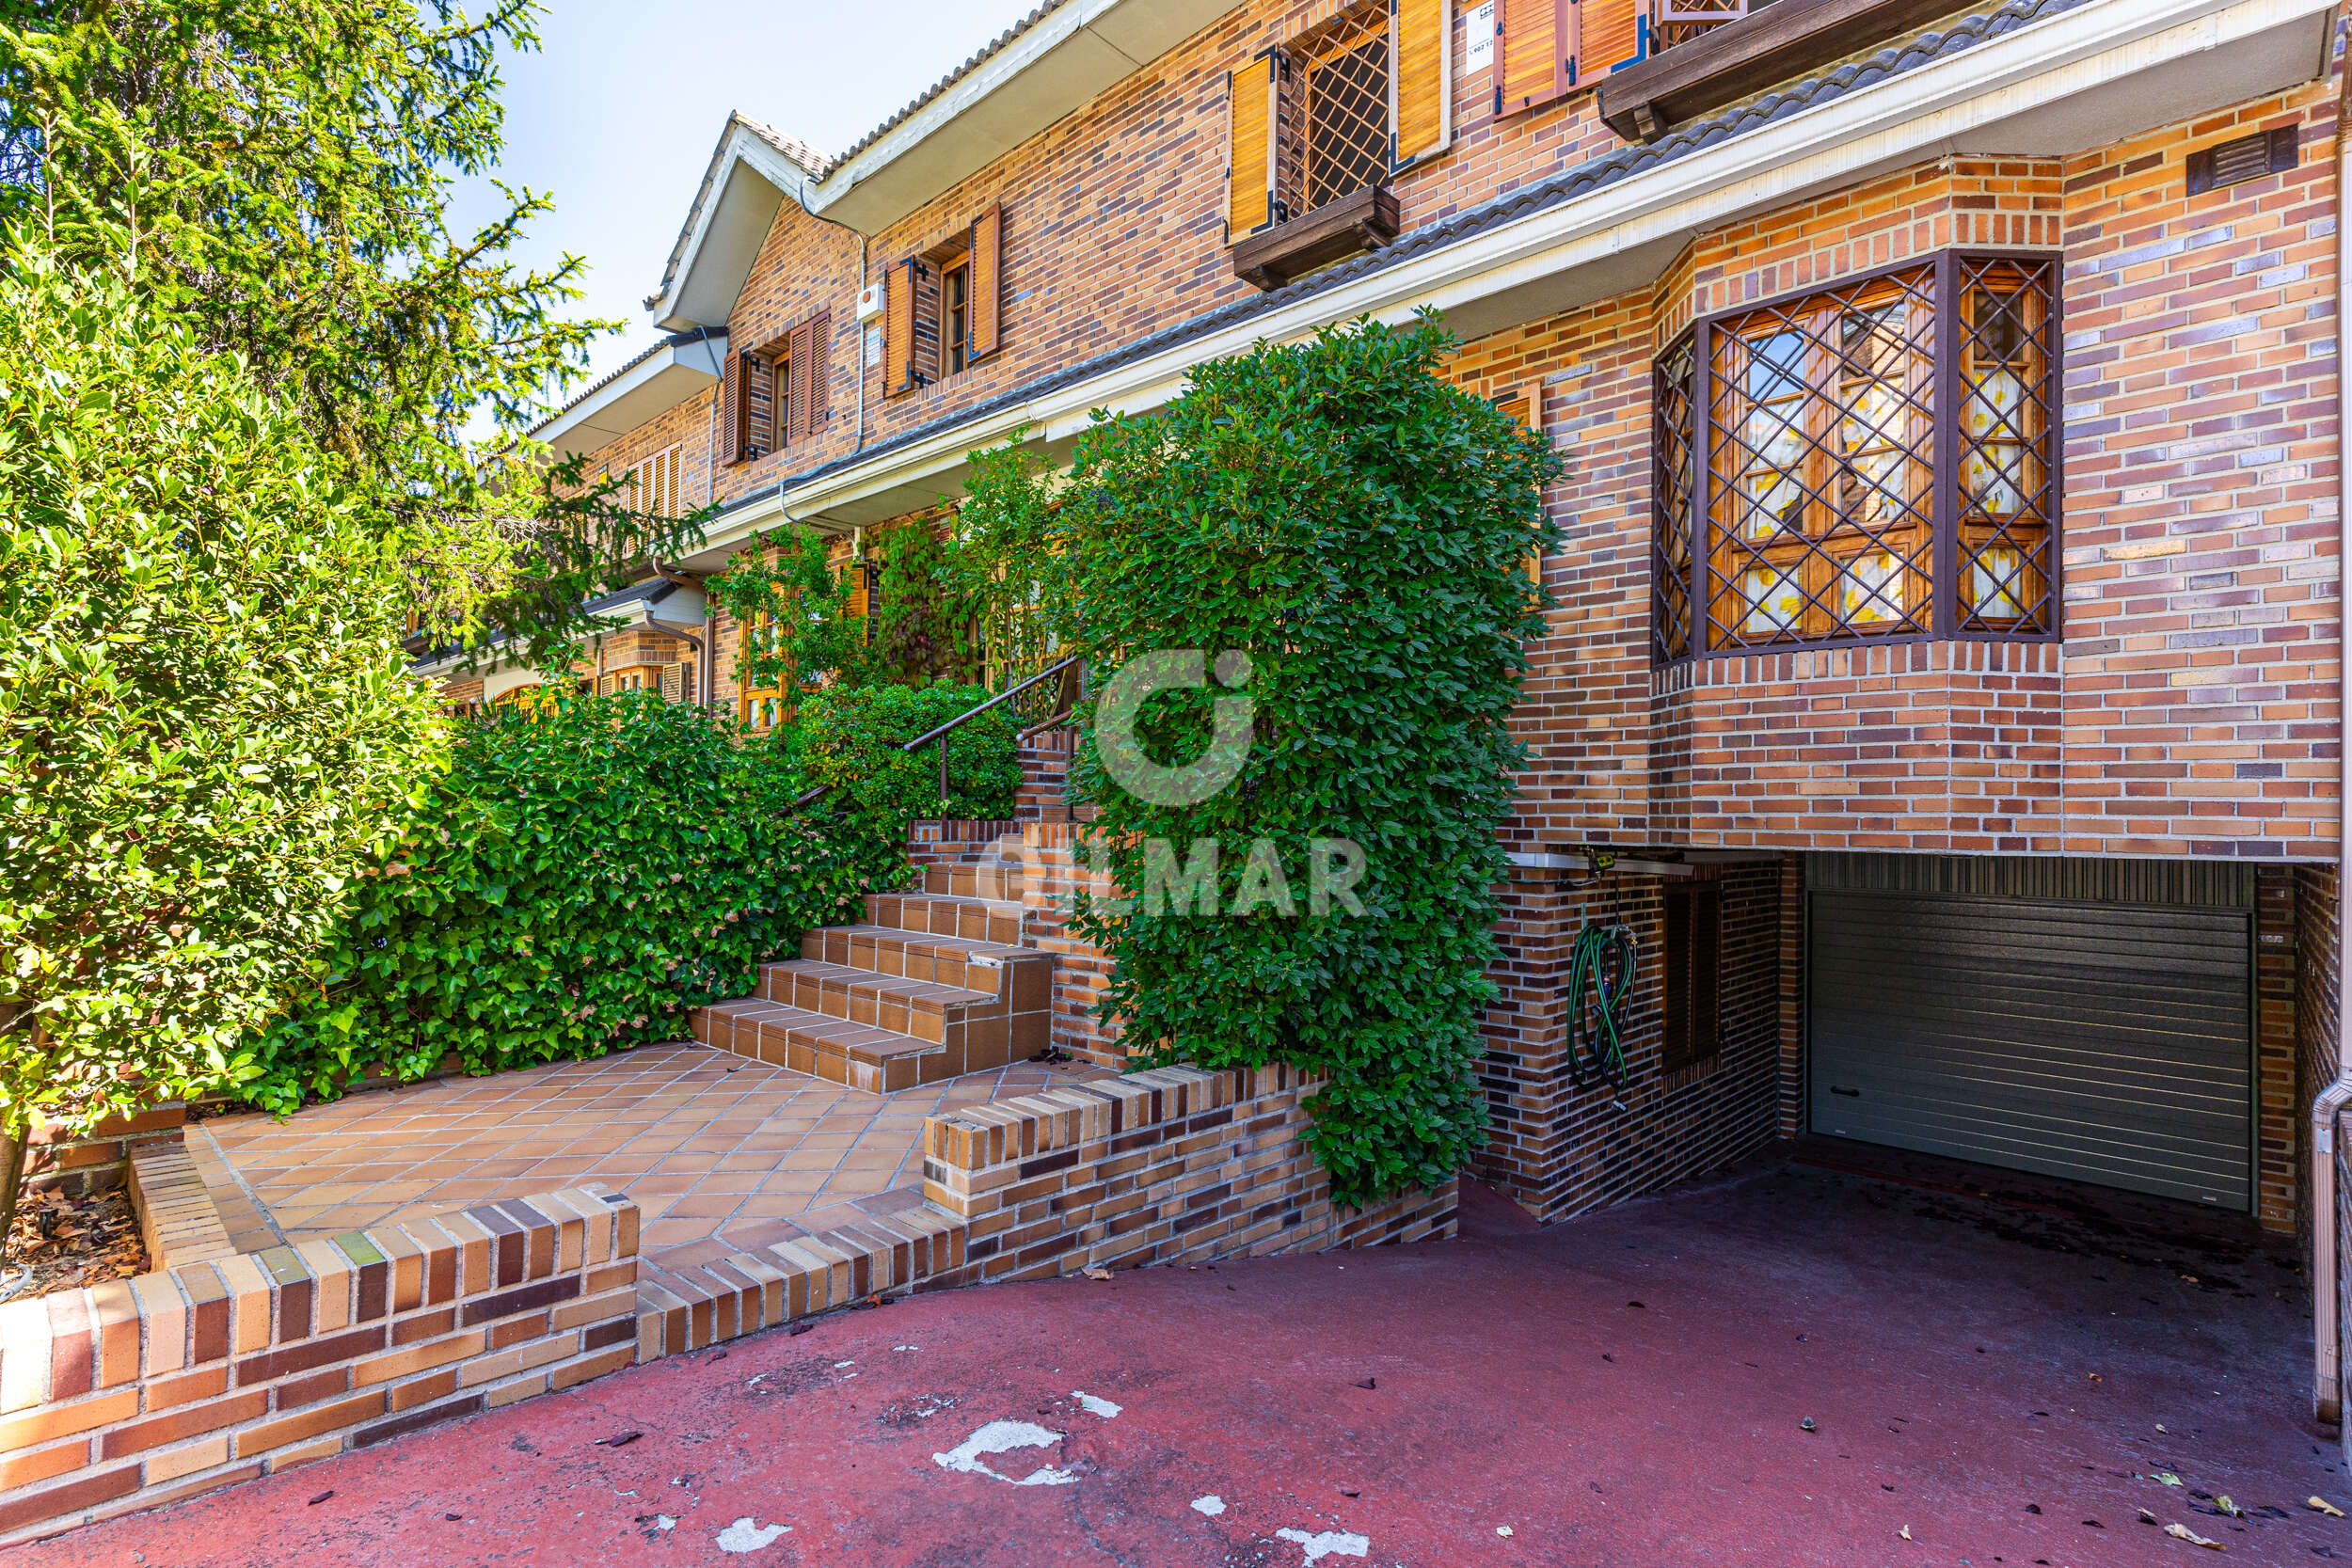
{"x":1045,"y":67}
{"x":752,"y":169}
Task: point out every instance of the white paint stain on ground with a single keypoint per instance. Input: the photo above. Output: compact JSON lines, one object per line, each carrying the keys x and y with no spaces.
{"x":1211,"y":1505}
{"x":1329,"y":1542}
{"x":1099,"y":1408}
{"x":1003,"y":1438}
{"x":745,"y":1536}
{"x":663,"y":1521}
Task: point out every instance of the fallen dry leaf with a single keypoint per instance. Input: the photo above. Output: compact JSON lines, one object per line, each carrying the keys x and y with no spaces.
{"x":2321,"y":1505}
{"x":2182,"y":1533}
{"x":1904,"y":1533}
{"x":1098,"y":1274}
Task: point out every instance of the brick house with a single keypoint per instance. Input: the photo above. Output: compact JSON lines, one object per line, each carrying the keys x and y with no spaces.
{"x":1945,"y":686}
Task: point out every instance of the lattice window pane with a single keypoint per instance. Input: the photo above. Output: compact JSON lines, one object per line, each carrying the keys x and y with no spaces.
{"x":1820,"y":466}
{"x":1673,"y":519}
{"x":1676,"y":22}
{"x":2007,"y":502}
{"x":1333,"y":118}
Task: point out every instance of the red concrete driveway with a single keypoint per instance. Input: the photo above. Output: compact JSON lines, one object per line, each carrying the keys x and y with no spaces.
{"x":2008,"y":1387}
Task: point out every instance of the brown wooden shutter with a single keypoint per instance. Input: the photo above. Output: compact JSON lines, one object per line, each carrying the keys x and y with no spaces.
{"x":819,"y":369}
{"x":735,"y":409}
{"x":1693,"y":1023}
{"x":1525,"y":404}
{"x":984,"y":307}
{"x":1250,"y":147}
{"x":1538,"y":49}
{"x":796,"y":383}
{"x":1609,"y":33}
{"x":899,"y":329}
{"x":1421,"y":78}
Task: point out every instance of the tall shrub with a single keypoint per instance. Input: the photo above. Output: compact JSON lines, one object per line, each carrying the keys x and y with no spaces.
{"x":849,"y":739}
{"x":1359,"y":530}
{"x":205,"y":726}
{"x":587,"y":870}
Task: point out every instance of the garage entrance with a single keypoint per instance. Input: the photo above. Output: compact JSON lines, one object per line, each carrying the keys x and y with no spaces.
{"x":2098,"y":1038}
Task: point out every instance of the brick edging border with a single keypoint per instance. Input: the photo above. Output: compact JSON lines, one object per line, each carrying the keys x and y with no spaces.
{"x":142,"y":1392}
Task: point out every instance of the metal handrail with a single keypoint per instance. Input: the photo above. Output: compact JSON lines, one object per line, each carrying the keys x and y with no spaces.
{"x":940,"y":734}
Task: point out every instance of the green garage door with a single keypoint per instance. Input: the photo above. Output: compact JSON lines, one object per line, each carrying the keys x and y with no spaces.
{"x":2105,"y":1043}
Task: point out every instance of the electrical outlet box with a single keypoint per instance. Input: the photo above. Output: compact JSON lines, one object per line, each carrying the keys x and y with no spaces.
{"x":869,"y":301}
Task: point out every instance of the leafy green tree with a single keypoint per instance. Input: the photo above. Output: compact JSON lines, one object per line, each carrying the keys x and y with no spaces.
{"x":281,"y":173}
{"x":1357,"y":530}
{"x":205,"y":725}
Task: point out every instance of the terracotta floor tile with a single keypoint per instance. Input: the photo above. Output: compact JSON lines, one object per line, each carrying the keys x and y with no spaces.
{"x":689,"y":1132}
{"x":662,"y":1181}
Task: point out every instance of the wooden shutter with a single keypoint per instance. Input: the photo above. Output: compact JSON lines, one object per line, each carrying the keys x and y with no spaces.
{"x":1250,"y":147}
{"x":1525,"y":404}
{"x":735,"y":409}
{"x":860,"y":605}
{"x":1609,"y":33}
{"x":983,"y":312}
{"x":1694,"y":925}
{"x":1421,"y":78}
{"x":819,"y":358}
{"x":795,"y":385}
{"x":1538,"y":50}
{"x":899,"y":329}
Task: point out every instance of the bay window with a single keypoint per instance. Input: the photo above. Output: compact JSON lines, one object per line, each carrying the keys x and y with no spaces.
{"x":1872,"y":460}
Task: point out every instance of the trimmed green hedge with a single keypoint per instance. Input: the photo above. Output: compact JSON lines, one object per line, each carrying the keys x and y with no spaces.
{"x":850,"y":739}
{"x":581,"y":877}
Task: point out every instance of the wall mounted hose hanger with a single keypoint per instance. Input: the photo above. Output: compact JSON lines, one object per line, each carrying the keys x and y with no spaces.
{"x":1600,"y":980}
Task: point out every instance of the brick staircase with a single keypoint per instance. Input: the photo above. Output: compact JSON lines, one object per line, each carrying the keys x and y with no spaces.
{"x":972,"y":971}
{"x":933,"y":984}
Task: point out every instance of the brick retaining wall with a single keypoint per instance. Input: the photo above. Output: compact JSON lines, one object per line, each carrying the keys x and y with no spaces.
{"x":1158,"y":1167}
{"x":142,"y":1392}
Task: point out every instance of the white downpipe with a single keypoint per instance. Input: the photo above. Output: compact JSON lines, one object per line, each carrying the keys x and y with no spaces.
{"x":2327,"y":1393}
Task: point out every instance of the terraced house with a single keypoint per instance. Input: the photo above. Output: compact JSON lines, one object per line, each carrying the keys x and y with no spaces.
{"x":1944,"y":680}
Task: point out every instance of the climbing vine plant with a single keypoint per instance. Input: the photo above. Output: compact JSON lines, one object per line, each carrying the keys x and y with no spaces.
{"x":1342,"y":536}
{"x":952,"y":596}
{"x":794,"y":607}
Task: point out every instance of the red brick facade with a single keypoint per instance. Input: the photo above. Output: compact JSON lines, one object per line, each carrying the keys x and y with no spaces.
{"x":2186,"y":706}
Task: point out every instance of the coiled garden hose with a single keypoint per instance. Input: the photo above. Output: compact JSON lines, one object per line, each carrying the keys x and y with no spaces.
{"x":1600,"y":980}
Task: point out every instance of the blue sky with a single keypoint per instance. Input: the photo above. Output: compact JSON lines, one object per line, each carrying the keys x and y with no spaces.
{"x":616,"y":116}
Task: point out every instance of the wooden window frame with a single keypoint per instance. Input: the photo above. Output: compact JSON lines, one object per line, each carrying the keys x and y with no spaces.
{"x":759,"y":708}
{"x":1954,"y":425}
{"x":955,"y":315}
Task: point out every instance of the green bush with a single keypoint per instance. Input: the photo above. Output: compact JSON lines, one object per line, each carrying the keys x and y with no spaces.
{"x":585,"y":874}
{"x":1359,"y":530}
{"x":850,"y":739}
{"x":206,"y":731}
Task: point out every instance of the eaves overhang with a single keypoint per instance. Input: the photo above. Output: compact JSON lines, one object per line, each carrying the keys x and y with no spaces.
{"x":2076,"y":77}
{"x":648,"y":386}
{"x":1049,"y":66}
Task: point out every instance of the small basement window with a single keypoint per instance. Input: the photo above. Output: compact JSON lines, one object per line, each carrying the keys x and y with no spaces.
{"x":1692,"y":1028}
